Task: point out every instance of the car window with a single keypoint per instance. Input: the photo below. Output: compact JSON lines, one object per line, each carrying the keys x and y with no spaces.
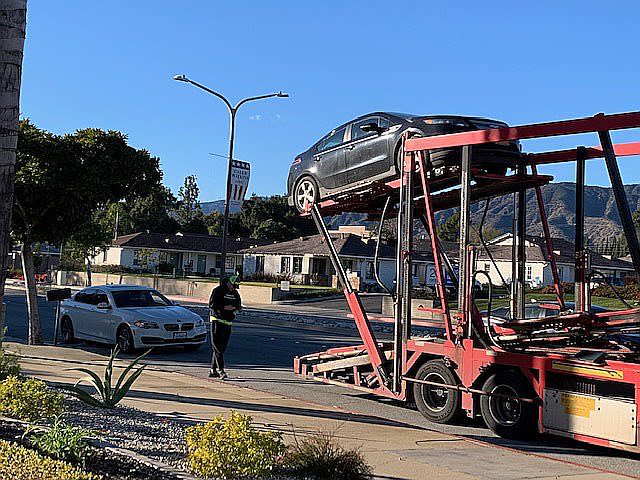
{"x":139,"y":298}
{"x":101,"y":297}
{"x":532,"y":311}
{"x":334,"y":139}
{"x":85,"y":296}
{"x":357,"y":132}
{"x":502,"y":312}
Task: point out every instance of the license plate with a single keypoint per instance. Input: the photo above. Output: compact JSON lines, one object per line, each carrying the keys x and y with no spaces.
{"x":179,"y":334}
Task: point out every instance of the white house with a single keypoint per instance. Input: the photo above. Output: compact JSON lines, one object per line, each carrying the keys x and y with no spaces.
{"x":538,"y":265}
{"x":306,"y":260}
{"x":186,"y":252}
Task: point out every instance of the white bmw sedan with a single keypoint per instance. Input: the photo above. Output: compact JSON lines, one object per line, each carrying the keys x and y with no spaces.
{"x":130,"y":316}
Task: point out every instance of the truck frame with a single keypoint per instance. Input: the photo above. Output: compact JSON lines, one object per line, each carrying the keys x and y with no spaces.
{"x":567,"y":374}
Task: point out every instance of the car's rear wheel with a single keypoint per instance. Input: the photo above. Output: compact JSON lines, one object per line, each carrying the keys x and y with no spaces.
{"x":305,"y":194}
{"x":124,"y":339}
{"x":504,"y":412}
{"x":66,"y":329}
{"x":437,"y":403}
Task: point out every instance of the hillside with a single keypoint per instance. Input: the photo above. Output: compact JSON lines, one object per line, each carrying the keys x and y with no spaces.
{"x":602,"y":220}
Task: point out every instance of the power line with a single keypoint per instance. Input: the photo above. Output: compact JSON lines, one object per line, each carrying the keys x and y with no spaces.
{"x":227,"y":156}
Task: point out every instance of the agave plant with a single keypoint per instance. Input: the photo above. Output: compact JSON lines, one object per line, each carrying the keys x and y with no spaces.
{"x":108,"y":396}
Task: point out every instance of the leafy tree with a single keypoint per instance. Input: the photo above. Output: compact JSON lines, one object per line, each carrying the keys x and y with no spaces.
{"x":14,"y":23}
{"x":449,"y":230}
{"x":63,"y":183}
{"x":273,"y":230}
{"x":189,"y":213}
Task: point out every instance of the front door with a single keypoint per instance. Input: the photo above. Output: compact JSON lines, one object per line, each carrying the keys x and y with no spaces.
{"x":202,"y":264}
{"x":329,"y":160}
{"x":368,"y":153}
{"x":104,"y":320}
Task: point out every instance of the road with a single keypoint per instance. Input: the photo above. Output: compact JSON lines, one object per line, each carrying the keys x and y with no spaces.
{"x":260,"y":357}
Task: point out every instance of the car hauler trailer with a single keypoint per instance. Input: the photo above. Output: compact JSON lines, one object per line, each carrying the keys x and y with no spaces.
{"x":568,"y":374}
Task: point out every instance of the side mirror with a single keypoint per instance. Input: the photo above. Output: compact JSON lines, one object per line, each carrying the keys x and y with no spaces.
{"x":371,"y":127}
{"x":103,"y":306}
{"x":177,"y":304}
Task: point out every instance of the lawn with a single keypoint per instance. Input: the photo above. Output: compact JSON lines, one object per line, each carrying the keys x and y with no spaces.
{"x":608,"y":303}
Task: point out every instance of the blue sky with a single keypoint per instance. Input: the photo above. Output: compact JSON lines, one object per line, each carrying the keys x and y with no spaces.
{"x":109,"y":65}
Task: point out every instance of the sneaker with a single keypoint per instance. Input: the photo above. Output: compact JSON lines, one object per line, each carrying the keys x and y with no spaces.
{"x":213,"y":374}
{"x":223,"y":375}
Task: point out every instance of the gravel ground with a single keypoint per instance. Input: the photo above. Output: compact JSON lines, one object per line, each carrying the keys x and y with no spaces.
{"x":147,"y":434}
{"x":144,"y":433}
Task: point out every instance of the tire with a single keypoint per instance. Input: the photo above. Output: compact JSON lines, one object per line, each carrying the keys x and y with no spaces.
{"x":438,"y":404}
{"x":124,"y":339}
{"x":306,"y":191}
{"x":66,"y":330}
{"x":506,"y":417}
{"x":192,"y":348}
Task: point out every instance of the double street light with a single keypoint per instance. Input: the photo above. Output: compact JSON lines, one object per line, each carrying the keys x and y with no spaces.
{"x":232,"y":127}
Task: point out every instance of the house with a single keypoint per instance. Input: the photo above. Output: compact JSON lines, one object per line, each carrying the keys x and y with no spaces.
{"x":45,"y":257}
{"x":306,"y":260}
{"x":187,"y":253}
{"x":538,"y":265}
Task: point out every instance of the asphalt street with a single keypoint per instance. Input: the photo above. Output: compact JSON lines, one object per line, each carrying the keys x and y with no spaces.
{"x":260,"y":357}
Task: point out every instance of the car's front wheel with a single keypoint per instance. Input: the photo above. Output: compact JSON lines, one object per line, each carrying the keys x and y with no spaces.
{"x":124,"y":339}
{"x":305,"y":194}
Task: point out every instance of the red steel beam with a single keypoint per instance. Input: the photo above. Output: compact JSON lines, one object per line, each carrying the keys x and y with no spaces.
{"x":559,"y":156}
{"x":599,"y":122}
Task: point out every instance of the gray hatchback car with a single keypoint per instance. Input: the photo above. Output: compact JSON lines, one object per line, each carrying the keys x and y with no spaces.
{"x":367,"y":149}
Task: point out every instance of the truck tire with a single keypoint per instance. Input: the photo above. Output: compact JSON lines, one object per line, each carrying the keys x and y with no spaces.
{"x":506,"y":417}
{"x":438,"y":404}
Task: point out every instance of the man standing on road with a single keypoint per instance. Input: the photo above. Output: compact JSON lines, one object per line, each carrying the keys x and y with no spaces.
{"x":224,"y":303}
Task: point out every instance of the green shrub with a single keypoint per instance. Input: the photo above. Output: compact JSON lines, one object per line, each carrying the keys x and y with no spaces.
{"x":232,"y":448}
{"x":321,"y":457}
{"x":109,"y":396}
{"x":20,"y":463}
{"x":29,"y":399}
{"x":9,"y":365}
{"x":61,"y":441}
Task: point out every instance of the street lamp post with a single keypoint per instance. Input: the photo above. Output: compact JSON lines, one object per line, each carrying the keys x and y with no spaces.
{"x":232,"y":127}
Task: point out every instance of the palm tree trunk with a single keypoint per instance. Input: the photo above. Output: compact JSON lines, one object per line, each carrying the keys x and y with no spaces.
{"x":35,"y":337}
{"x":13,"y":21}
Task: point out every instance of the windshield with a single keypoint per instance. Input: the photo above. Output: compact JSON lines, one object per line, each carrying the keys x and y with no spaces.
{"x":139,"y":298}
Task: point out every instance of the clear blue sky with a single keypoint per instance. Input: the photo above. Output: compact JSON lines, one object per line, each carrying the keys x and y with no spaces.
{"x":109,"y":65}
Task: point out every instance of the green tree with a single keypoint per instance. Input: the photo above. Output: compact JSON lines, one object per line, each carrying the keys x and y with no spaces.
{"x":189,"y":213}
{"x":63,"y":183}
{"x":273,"y":230}
{"x":449,"y":230}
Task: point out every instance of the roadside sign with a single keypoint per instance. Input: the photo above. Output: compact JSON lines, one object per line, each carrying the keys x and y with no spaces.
{"x":58,"y":294}
{"x":285,"y":285}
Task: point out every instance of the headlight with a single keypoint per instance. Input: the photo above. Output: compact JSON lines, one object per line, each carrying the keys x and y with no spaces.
{"x":143,"y":324}
{"x":200,"y":323}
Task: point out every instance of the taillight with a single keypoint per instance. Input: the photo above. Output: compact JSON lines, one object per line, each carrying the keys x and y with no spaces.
{"x":297,"y":161}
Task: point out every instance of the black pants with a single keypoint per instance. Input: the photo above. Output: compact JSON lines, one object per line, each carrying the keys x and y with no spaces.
{"x":220,"y":334}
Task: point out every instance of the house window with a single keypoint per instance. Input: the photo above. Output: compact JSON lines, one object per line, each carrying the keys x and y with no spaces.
{"x":259,"y":264}
{"x":163,"y":258}
{"x":560,"y":273}
{"x":529,"y":272}
{"x":218,"y":261}
{"x":487,"y":267}
{"x":348,"y":265}
{"x":319,"y":266}
{"x":297,"y":264}
{"x":104,"y":255}
{"x":369,"y":270}
{"x":285,"y":265}
{"x":136,"y":257}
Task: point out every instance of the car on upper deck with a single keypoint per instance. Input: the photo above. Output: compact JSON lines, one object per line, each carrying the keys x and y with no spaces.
{"x":367,"y":149}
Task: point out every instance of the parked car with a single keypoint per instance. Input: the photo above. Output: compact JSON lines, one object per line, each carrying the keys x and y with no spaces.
{"x":367,"y":149}
{"x":533,"y":310}
{"x":130,"y":316}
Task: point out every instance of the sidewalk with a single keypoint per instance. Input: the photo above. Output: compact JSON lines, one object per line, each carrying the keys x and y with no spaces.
{"x":397,"y":451}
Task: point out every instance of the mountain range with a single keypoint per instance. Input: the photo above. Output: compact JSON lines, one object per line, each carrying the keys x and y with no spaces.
{"x":602,"y":221}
